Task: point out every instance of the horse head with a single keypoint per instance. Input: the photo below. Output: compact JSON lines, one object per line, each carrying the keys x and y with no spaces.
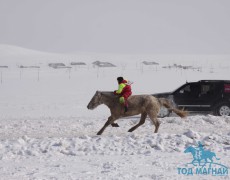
{"x":189,"y":149}
{"x":95,"y":101}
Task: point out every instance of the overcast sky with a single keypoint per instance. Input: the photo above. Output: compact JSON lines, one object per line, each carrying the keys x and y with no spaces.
{"x":117,"y":26}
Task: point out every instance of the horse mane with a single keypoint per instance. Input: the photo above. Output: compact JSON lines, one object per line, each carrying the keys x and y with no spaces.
{"x":109,"y":94}
{"x":106,"y":92}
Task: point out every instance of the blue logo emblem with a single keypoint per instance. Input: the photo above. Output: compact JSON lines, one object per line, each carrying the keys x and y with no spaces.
{"x":204,"y":162}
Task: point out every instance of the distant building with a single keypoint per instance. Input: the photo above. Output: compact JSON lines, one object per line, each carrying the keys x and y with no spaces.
{"x":58,"y":65}
{"x":103,"y":64}
{"x":77,"y":63}
{"x":150,"y":63}
{"x":29,"y":66}
{"x":179,"y":66}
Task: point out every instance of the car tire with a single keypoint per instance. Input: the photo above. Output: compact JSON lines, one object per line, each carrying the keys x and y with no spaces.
{"x":222,"y":109}
{"x":164,"y":112}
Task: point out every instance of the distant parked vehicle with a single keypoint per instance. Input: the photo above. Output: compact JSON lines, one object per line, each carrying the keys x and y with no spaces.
{"x":203,"y":96}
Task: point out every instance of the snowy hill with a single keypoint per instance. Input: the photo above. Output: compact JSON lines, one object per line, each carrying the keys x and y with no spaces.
{"x":13,"y":54}
{"x":9,"y":50}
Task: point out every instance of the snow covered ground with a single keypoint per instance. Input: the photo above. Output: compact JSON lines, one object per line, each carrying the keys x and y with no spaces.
{"x":46,"y":131}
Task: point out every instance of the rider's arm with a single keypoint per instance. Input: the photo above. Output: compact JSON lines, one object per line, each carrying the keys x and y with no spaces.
{"x":120,"y":88}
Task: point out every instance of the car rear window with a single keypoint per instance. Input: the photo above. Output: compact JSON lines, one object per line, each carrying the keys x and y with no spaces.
{"x":227,"y":88}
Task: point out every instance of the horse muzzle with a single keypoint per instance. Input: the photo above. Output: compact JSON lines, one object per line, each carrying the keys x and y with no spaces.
{"x":90,"y":107}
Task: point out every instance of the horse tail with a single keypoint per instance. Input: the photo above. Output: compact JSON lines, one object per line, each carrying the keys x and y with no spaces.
{"x":166,"y":103}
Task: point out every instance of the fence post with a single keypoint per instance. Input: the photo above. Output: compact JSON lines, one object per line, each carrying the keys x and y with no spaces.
{"x":38,"y":74}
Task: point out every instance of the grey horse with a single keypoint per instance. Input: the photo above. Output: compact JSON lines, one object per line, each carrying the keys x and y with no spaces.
{"x":146,"y":105}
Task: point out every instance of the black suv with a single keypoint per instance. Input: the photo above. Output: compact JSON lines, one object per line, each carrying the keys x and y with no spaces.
{"x":202,"y":96}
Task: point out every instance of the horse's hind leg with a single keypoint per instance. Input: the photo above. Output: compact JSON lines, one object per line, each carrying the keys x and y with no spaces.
{"x":115,"y":125}
{"x":142,"y":121}
{"x":108,"y":122}
{"x":153,"y":117}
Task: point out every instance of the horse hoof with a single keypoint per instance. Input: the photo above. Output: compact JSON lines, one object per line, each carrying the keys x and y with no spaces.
{"x":115,"y":125}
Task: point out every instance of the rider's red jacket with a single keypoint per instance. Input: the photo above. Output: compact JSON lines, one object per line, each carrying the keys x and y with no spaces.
{"x":124,"y":89}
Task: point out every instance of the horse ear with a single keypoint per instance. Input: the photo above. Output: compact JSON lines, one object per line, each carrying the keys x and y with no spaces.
{"x":98,"y":92}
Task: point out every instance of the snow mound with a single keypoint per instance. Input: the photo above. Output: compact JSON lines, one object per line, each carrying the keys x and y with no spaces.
{"x":133,"y":144}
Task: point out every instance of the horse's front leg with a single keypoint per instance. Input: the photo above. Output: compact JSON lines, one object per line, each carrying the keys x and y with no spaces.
{"x":108,"y":122}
